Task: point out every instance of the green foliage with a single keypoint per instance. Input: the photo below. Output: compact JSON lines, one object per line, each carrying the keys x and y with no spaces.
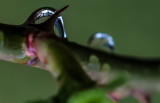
{"x":129,"y":100}
{"x":90,"y":96}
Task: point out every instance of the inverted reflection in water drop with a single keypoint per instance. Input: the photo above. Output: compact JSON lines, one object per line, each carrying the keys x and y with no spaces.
{"x":102,"y":41}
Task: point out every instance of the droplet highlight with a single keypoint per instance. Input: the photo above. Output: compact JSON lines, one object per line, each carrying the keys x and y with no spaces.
{"x":102,"y":41}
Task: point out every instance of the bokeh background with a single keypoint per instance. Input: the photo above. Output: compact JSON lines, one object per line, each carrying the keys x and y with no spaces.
{"x":134,"y":25}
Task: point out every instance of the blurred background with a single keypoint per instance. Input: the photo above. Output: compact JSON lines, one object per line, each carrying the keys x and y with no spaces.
{"x":134,"y":25}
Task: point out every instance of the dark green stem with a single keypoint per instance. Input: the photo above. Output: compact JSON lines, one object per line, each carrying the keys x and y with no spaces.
{"x":147,"y":66}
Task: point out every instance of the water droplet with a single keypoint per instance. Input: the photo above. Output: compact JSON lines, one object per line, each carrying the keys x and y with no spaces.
{"x":46,"y":13}
{"x":94,"y":64}
{"x":105,"y":67}
{"x":102,"y":41}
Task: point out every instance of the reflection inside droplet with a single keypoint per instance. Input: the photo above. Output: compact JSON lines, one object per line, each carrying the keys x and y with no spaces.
{"x":102,"y":41}
{"x":43,"y":15}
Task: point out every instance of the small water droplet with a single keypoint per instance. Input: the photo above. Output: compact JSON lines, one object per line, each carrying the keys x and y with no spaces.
{"x":105,"y":67}
{"x":102,"y":41}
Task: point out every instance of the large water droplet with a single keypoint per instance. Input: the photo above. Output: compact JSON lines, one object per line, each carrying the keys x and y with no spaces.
{"x":46,"y":13}
{"x":102,"y":41}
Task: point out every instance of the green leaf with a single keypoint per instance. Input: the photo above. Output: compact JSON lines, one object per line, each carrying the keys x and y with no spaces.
{"x":129,"y":100}
{"x":90,"y":96}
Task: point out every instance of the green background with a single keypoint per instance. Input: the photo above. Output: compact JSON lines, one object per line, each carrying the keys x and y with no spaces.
{"x":134,"y":25}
